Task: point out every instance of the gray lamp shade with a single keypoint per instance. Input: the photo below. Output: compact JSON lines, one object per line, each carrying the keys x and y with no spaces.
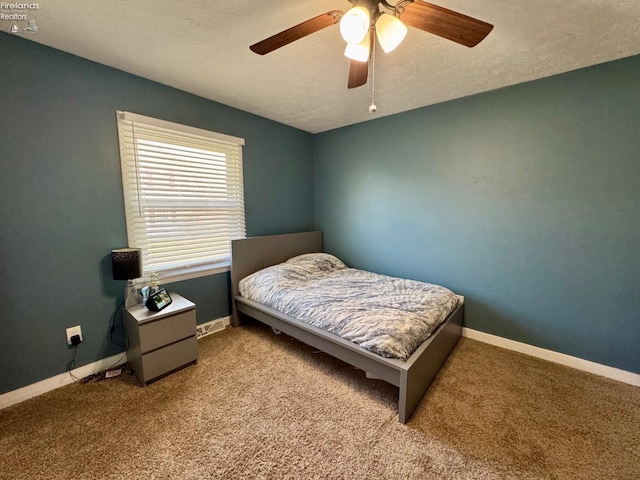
{"x":126,"y":263}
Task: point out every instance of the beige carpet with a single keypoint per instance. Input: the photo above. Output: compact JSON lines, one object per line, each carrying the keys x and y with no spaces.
{"x":263,"y":406}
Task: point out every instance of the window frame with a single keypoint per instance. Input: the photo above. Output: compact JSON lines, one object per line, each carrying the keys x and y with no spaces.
{"x":134,"y":200}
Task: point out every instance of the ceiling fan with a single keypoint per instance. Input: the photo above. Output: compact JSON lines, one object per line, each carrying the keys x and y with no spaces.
{"x":368,"y":20}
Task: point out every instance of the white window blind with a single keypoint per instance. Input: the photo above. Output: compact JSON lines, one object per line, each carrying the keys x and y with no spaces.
{"x":183,"y":195}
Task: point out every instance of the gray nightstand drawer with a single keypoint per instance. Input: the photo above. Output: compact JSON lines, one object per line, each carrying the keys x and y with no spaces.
{"x":158,"y":333}
{"x":161,"y":342}
{"x":169,"y":358}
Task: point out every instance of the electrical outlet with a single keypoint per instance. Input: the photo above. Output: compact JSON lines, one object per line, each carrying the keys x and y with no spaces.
{"x":71,"y":331}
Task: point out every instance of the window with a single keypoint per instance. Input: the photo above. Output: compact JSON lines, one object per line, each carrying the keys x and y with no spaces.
{"x":183,"y":195}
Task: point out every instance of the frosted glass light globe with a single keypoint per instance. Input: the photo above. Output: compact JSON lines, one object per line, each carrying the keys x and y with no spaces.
{"x":359,"y":51}
{"x":355,"y":24}
{"x":390,"y":31}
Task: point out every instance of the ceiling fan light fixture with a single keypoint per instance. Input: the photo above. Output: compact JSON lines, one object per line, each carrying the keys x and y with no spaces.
{"x":390,"y":32}
{"x":359,"y":51}
{"x":355,"y":24}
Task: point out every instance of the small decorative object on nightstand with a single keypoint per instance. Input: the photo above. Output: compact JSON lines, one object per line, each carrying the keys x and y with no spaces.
{"x":161,"y":342}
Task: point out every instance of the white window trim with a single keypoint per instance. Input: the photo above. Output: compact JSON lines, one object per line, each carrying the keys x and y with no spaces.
{"x":155,"y":122}
{"x":181,"y":272}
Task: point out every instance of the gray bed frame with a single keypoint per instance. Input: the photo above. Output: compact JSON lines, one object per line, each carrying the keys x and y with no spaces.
{"x":412,"y":377}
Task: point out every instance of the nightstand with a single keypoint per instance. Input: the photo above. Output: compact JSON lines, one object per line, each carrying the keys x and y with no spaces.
{"x":161,"y":342}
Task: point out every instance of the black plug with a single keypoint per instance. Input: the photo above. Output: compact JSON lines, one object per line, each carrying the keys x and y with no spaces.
{"x":75,"y":340}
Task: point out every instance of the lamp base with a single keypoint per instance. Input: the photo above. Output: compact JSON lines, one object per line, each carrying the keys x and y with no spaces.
{"x":131,"y":296}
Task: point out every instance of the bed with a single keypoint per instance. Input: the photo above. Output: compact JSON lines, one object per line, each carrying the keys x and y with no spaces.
{"x":412,"y":376}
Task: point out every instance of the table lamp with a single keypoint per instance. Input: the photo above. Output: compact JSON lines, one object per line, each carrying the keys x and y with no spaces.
{"x":127,"y":265}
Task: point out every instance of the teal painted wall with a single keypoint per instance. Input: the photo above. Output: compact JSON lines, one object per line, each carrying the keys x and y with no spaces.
{"x":526,"y":200}
{"x":62,"y":209}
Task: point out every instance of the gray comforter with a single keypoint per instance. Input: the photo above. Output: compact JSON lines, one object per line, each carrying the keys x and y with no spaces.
{"x":386,"y":315}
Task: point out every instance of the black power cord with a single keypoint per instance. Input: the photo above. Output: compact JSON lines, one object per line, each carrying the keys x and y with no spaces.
{"x":75,"y":341}
{"x":119,"y":311}
{"x":72,"y":363}
{"x":103,"y":374}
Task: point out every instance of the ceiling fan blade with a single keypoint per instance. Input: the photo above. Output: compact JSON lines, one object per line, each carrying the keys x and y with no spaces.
{"x":445,"y":23}
{"x":358,"y":72}
{"x":295,"y":33}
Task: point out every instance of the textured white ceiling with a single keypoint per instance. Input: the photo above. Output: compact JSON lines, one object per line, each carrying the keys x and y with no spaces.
{"x":202,"y":47}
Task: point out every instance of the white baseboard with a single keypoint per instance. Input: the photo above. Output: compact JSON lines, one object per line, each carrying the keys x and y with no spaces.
{"x":52,"y":383}
{"x":555,"y":357}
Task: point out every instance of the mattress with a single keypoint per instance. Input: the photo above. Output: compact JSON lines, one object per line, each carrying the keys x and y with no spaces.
{"x":386,"y":315}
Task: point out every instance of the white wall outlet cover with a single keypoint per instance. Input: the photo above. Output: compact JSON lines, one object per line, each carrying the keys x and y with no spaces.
{"x":71,"y":331}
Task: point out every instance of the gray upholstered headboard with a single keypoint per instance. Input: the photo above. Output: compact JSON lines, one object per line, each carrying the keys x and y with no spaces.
{"x":249,"y":255}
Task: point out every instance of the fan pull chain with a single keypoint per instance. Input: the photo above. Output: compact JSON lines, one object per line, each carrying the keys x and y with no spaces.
{"x":372,"y":107}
